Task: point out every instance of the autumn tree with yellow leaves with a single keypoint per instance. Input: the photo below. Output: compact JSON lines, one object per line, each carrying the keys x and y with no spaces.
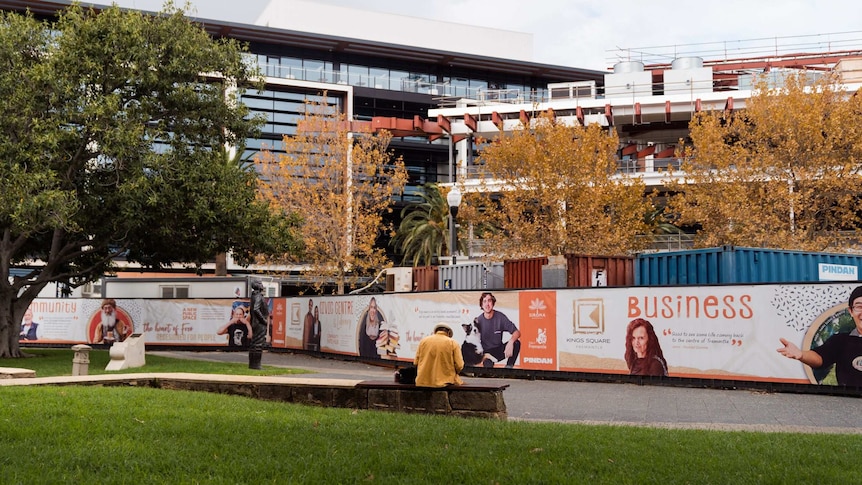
{"x":782,"y":173}
{"x":341,"y":184}
{"x":553,"y":189}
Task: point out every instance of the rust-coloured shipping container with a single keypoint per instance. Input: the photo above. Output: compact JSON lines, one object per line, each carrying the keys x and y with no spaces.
{"x":523,"y":273}
{"x":585,"y":271}
{"x":425,"y":278}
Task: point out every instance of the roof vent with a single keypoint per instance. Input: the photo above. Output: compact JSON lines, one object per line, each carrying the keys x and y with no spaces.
{"x":628,"y":66}
{"x":687,"y":63}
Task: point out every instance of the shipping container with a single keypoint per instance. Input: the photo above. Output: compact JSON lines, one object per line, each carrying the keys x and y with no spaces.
{"x":470,"y":276}
{"x":426,"y":278}
{"x":741,"y":265}
{"x":523,"y":273}
{"x":588,"y":271}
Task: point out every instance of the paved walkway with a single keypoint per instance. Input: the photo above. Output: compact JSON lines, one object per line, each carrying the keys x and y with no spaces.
{"x":616,"y":403}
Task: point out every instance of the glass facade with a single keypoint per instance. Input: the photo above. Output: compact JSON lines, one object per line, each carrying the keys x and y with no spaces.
{"x":383,"y":87}
{"x":282,"y":108}
{"x":378,"y":76}
{"x":395,"y":85}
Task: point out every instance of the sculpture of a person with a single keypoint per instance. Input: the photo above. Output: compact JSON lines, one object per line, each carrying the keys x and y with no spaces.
{"x":259,"y":324}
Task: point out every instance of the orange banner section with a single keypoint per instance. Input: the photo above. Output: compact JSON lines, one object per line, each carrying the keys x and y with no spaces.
{"x":279,"y":322}
{"x":538,"y":325}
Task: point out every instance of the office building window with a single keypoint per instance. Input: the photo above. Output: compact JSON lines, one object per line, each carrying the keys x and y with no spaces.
{"x":357,"y":75}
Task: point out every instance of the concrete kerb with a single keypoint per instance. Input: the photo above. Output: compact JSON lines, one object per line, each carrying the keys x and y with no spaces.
{"x":223,"y":378}
{"x":341,"y":393}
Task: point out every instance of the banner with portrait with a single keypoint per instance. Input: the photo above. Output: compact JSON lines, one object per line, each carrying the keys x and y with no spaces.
{"x":723,"y":331}
{"x":164,"y":322}
{"x":726,"y":332}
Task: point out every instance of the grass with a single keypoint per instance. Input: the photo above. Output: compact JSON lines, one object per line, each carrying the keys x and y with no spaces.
{"x":58,"y":362}
{"x":70,"y":434}
{"x":141,"y":435}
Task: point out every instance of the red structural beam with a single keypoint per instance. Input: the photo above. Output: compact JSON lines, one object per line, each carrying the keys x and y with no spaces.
{"x":443,"y":123}
{"x":646,"y":151}
{"x":667,"y":152}
{"x":400,"y":127}
{"x":497,"y":120}
{"x":471,"y":122}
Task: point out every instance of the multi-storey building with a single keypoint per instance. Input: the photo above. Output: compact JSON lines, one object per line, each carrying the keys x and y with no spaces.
{"x":649,"y":100}
{"x":390,"y":83}
{"x":651,"y":104}
{"x":437,"y":86}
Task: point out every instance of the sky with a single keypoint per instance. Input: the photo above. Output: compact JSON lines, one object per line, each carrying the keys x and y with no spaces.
{"x":594,"y":35}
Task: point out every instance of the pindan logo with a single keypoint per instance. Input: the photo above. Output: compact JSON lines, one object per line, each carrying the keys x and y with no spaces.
{"x":537,"y":308}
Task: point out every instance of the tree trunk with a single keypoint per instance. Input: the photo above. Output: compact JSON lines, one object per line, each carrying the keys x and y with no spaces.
{"x":11,"y":312}
{"x":221,"y":264}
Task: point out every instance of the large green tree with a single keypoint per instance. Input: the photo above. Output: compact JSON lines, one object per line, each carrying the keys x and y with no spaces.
{"x":113,"y":128}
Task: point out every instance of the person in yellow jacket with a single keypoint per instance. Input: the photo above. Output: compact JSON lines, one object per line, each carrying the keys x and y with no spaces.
{"x":438,"y":360}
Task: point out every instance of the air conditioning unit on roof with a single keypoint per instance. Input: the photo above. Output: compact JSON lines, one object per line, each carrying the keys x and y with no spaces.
{"x":399,"y":280}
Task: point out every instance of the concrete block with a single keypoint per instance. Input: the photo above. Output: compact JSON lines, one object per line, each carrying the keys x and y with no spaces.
{"x":16,"y":373}
{"x":349,"y":398}
{"x":384,"y":399}
{"x":127,"y":354}
{"x":425,"y":401}
{"x":478,"y":401}
{"x":317,"y":396}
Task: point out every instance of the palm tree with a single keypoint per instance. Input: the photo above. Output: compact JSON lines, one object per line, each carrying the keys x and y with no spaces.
{"x":423,"y":234}
{"x":660,"y":221}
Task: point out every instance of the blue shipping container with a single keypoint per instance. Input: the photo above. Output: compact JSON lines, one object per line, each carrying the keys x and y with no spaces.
{"x":740,"y":265}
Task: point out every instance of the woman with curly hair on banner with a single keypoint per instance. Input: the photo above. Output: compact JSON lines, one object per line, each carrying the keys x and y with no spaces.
{"x":643,"y":352}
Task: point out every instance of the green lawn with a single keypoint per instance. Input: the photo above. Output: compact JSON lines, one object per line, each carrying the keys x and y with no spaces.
{"x":58,"y":362}
{"x":142,"y":435}
{"x":70,"y":434}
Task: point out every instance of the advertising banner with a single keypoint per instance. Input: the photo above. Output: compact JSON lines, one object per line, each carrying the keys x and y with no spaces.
{"x":168,"y":322}
{"x":726,"y":332}
{"x":723,"y":331}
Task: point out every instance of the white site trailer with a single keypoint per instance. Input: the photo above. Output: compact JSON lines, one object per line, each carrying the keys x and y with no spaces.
{"x":186,"y":287}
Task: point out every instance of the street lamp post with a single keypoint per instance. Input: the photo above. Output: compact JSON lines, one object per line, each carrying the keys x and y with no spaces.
{"x":454,"y":200}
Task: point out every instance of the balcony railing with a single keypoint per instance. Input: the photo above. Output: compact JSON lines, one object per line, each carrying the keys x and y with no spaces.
{"x":654,"y":243}
{"x":625,"y":166}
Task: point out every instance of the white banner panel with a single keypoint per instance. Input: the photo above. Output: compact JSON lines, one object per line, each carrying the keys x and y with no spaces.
{"x":724,"y":332}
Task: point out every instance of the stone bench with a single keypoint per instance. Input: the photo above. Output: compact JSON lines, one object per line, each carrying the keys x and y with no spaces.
{"x":469,"y":400}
